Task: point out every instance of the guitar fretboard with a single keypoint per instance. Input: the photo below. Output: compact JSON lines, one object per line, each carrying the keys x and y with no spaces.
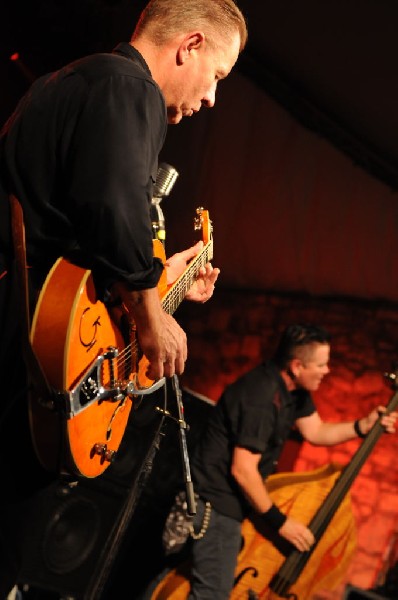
{"x":177,"y":292}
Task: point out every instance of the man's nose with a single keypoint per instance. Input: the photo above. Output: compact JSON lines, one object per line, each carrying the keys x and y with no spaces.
{"x":210,"y":98}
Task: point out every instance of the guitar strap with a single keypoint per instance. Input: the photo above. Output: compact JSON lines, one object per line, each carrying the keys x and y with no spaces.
{"x":35,"y":372}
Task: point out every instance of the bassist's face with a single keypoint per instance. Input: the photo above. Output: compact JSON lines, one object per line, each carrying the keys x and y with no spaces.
{"x":311,"y":366}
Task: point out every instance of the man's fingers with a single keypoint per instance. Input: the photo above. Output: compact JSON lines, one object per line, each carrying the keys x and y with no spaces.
{"x":302,"y":543}
{"x":192,"y":251}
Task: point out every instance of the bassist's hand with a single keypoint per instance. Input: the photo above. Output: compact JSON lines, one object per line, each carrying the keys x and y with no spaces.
{"x":388,"y":420}
{"x":297,"y":534}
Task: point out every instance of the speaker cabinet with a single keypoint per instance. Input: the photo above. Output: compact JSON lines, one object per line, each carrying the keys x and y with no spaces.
{"x":64,"y":532}
{"x":91,"y":539}
{"x":70,"y":533}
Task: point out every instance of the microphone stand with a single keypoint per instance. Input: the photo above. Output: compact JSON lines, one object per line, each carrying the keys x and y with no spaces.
{"x":165,"y":180}
{"x":191,"y":504}
{"x":158,"y":221}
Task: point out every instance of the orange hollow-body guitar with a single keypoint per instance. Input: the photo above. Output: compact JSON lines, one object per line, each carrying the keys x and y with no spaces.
{"x":94,"y":364}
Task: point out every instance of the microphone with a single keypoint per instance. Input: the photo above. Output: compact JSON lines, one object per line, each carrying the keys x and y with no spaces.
{"x":165,"y":180}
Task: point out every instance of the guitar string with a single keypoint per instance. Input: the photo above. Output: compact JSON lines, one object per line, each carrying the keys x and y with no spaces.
{"x":133,"y":348}
{"x":171,"y":302}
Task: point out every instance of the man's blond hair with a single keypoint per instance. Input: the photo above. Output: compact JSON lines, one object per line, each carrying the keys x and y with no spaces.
{"x":161,"y":20}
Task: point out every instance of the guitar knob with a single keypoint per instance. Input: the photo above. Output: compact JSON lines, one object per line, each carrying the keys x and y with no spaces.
{"x":109,"y":455}
{"x":99,"y":449}
{"x":104,"y":452}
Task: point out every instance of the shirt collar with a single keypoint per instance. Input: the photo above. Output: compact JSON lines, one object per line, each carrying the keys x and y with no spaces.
{"x":128,"y":51}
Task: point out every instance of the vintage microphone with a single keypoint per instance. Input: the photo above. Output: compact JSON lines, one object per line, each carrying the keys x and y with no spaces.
{"x":165,"y":180}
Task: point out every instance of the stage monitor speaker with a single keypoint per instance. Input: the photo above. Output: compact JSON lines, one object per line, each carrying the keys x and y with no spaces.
{"x":70,"y":533}
{"x":65,"y":534}
{"x":354,"y":593}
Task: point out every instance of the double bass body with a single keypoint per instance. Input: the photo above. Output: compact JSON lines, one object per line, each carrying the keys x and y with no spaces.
{"x":267,"y":568}
{"x":321,"y":500}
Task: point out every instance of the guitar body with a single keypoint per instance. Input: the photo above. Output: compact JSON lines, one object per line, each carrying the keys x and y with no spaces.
{"x":91,"y":358}
{"x":70,"y":330}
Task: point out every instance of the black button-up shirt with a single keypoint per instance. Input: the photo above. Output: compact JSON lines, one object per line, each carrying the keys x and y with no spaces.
{"x":80,"y":152}
{"x":255,"y":412}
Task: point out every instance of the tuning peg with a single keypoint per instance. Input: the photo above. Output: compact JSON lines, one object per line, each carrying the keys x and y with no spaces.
{"x":392,"y":375}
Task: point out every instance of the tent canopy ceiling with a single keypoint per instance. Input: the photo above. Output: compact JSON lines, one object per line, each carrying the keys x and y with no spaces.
{"x":332,"y":64}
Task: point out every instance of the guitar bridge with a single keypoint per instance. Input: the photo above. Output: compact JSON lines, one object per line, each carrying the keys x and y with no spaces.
{"x":90,"y":388}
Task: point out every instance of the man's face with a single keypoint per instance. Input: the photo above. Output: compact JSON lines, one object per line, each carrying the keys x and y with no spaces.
{"x":194,"y":84}
{"x":311,"y":366}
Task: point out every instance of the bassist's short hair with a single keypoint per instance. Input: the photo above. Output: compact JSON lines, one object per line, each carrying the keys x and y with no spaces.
{"x":295,"y":337}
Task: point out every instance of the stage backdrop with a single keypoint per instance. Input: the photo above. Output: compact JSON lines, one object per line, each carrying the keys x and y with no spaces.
{"x":290,"y":211}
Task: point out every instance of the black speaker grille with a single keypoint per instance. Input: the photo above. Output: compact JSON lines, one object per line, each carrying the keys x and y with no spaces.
{"x":70,"y":535}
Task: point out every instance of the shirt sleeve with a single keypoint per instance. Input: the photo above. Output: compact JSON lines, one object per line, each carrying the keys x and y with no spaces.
{"x":112,"y":163}
{"x":256,"y":418}
{"x":304,"y":404}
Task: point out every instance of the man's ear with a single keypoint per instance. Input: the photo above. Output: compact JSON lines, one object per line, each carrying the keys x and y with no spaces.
{"x":295,"y":367}
{"x":192,"y":41}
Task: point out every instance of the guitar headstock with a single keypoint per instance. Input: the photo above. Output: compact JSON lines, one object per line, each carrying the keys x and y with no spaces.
{"x":202,"y":222}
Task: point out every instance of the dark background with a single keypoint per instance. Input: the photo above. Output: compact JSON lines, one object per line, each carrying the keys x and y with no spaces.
{"x":331,"y":63}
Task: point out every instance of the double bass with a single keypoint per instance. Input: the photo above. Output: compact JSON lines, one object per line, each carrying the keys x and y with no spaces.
{"x":268,"y":567}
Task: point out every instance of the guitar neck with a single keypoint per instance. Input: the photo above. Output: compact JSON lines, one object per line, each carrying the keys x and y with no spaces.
{"x":177,"y":292}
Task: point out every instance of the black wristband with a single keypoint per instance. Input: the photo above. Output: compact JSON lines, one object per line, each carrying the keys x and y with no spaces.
{"x":357,"y":429}
{"x":274,"y":518}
